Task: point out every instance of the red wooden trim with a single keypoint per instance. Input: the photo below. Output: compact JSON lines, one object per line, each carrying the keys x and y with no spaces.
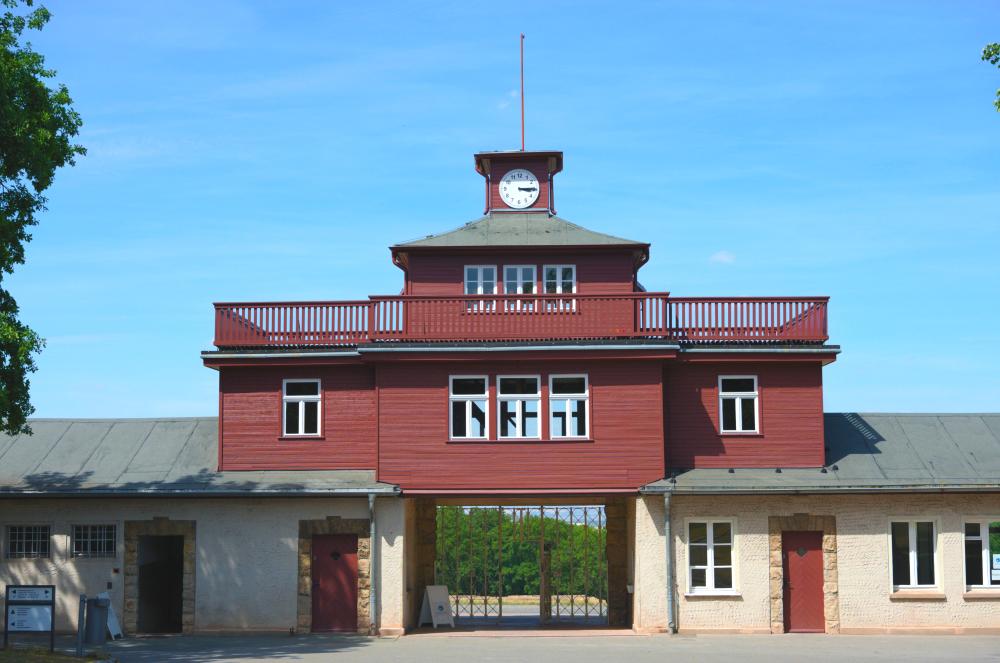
{"x":580,"y":316}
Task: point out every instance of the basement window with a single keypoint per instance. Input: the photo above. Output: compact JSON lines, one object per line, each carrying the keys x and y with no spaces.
{"x":28,"y":541}
{"x":738,"y":404}
{"x":94,"y":540}
{"x":518,"y":397}
{"x":301,"y":401}
{"x":982,"y":553}
{"x":710,"y":557}
{"x":568,"y":400}
{"x":468,"y":401}
{"x":914,"y":547}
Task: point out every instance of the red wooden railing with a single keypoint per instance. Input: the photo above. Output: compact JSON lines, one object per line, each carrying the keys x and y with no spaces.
{"x":522,"y":317}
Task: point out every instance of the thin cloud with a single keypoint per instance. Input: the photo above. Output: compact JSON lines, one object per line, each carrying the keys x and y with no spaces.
{"x":722,"y":258}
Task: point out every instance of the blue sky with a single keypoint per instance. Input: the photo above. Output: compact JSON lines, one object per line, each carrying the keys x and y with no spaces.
{"x":256,"y":151}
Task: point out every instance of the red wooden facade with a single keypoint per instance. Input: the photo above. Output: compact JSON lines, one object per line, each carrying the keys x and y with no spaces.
{"x":653,"y":362}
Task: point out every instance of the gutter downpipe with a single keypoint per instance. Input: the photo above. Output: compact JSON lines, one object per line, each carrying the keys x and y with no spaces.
{"x":373,"y":583}
{"x":667,"y":534}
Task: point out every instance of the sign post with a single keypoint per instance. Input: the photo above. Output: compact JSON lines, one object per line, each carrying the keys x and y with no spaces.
{"x":30,"y":609}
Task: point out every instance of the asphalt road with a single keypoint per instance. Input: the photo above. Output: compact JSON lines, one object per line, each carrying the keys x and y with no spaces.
{"x":559,"y":648}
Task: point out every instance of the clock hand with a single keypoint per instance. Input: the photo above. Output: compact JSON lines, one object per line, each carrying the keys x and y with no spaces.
{"x":527,"y":188}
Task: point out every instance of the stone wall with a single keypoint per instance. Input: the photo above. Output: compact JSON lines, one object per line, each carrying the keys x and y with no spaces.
{"x":158,"y":527}
{"x":334,"y":525}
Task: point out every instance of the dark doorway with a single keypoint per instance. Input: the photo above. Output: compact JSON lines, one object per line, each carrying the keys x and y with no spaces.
{"x":802,"y":559}
{"x":335,"y":582}
{"x":161,"y":581}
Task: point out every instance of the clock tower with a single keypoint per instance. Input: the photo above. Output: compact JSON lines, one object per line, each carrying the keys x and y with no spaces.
{"x":519,"y":181}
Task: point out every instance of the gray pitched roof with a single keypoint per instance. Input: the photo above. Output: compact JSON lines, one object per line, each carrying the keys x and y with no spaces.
{"x":519,"y":229}
{"x":149,"y":456}
{"x":871,"y":453}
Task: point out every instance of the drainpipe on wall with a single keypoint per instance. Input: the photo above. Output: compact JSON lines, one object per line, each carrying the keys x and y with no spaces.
{"x":373,"y":583}
{"x":668,"y":535}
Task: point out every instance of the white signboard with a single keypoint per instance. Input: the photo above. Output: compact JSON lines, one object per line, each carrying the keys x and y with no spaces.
{"x":40,"y":594}
{"x":436,"y":608}
{"x":29,"y":618}
{"x":996,"y":562}
{"x":114,"y":628}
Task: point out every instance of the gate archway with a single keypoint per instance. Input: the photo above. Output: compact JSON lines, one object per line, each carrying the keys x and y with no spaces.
{"x":524,"y":565}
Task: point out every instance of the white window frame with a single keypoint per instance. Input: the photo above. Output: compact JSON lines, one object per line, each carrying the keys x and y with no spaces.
{"x":73,"y":538}
{"x":519,"y":413}
{"x":911,"y":522}
{"x":739,"y":396}
{"x":565,"y":400}
{"x":484,"y":305}
{"x":519,"y":305}
{"x":8,"y":553}
{"x":710,"y":566}
{"x":559,"y":305}
{"x":318,"y":399}
{"x":468,"y":398}
{"x":984,"y":539}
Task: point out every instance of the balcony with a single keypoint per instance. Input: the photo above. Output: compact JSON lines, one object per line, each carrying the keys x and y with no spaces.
{"x":643,"y":315}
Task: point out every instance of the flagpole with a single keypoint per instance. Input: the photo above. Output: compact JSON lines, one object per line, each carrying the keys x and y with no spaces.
{"x":522,"y":92}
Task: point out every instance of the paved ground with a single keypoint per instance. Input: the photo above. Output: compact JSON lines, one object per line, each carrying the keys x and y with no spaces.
{"x":558,"y":648}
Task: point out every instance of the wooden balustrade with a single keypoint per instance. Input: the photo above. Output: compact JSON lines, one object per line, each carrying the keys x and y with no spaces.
{"x":522,"y":317}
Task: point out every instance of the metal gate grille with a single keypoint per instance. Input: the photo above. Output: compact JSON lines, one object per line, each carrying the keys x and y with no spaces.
{"x":524,"y":563}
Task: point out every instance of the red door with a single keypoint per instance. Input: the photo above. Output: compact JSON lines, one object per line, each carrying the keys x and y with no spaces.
{"x":335,"y":582}
{"x":802,"y":553}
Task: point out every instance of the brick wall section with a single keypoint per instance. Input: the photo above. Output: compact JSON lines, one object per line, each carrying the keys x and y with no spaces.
{"x":158,"y":527}
{"x":334,"y":525}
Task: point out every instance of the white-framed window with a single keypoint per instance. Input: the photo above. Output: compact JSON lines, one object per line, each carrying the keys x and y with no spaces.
{"x":710,"y":556}
{"x":569,"y":399}
{"x":738,"y":404}
{"x":480,"y":280}
{"x":468,"y":404}
{"x":29,"y":541}
{"x":913,"y":548}
{"x":301,"y":407}
{"x":559,"y":280}
{"x":519,"y":280}
{"x":518,"y":397}
{"x":982,"y":552}
{"x":94,"y":540}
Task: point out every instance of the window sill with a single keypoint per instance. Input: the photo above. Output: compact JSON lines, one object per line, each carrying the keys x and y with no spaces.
{"x":524,"y":440}
{"x":300,"y":438}
{"x":728,"y":594}
{"x":981,"y":594}
{"x":929,"y":594}
{"x":738,"y":434}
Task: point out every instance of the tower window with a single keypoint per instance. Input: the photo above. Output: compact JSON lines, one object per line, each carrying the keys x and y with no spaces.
{"x":738,"y":411}
{"x":302,"y":402}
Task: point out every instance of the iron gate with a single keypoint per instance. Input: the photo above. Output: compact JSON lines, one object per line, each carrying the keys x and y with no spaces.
{"x":553,"y":557}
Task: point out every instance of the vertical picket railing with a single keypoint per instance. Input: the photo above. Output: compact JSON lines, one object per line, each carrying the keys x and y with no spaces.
{"x":523,"y":317}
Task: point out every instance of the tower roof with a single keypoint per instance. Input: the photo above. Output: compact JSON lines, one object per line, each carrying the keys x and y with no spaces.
{"x":519,"y":229}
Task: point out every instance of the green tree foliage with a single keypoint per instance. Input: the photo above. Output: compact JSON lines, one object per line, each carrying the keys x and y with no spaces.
{"x":477,"y":549}
{"x":37,"y":127}
{"x":991,"y":54}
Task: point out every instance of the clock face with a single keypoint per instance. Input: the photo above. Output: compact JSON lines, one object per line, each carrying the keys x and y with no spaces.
{"x":519,"y":188}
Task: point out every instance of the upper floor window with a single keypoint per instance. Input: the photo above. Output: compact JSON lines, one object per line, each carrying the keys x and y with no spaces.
{"x":469,"y":401}
{"x":738,"y":404}
{"x":568,"y":398}
{"x":710,"y":556}
{"x":982,"y":553}
{"x":914,"y":548}
{"x":94,"y":540}
{"x":28,"y":541}
{"x":301,"y":400}
{"x":480,"y":280}
{"x":518,"y":398}
{"x":519,"y":280}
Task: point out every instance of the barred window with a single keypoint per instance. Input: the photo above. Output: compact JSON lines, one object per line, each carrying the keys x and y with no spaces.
{"x":94,"y":540}
{"x":28,"y":541}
